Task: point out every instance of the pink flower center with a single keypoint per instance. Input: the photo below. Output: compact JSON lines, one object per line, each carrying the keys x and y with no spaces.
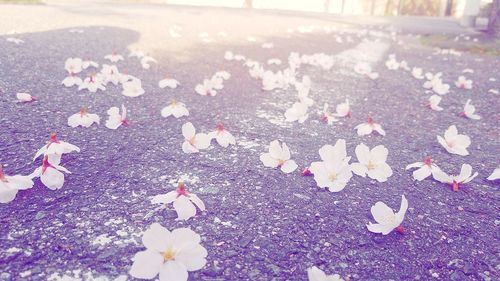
{"x":220,"y":127}
{"x":46,"y":164}
{"x":400,"y":229}
{"x":455,"y":186}
{"x":181,"y":190}
{"x":428,"y":161}
{"x":370,"y":121}
{"x":53,"y":139}
{"x":2,"y":175}
{"x":83,"y":111}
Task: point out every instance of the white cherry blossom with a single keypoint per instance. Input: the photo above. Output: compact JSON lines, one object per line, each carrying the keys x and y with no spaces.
{"x":51,"y":173}
{"x":56,"y":147}
{"x":132,"y":88}
{"x":278,"y":156}
{"x":9,"y":185}
{"x":115,"y":119}
{"x":114,"y":57}
{"x":372,"y":162}
{"x":25,"y":97}
{"x":72,"y":80}
{"x":93,"y":83}
{"x":206,"y":89}
{"x":16,"y":41}
{"x":453,"y":142}
{"x":89,"y":63}
{"x":495,"y":175}
{"x":463,"y":83}
{"x":368,"y":127}
{"x":146,"y":62}
{"x":298,"y":112}
{"x":168,"y":82}
{"x":386,"y":219}
{"x":469,"y":110}
{"x":455,"y":181}
{"x":110,"y":74}
{"x":434,"y":101}
{"x":326,"y":116}
{"x":171,"y":255}
{"x":182,"y":202}
{"x":73,"y":65}
{"x":316,"y":274}
{"x":417,"y":73}
{"x":222,"y":136}
{"x":343,"y":109}
{"x":83,"y":118}
{"x":425,"y":169}
{"x":333,"y":172}
{"x":193,"y":142}
{"x":176,"y":109}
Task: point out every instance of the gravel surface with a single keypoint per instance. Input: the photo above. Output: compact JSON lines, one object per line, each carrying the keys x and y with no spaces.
{"x":275,"y":225}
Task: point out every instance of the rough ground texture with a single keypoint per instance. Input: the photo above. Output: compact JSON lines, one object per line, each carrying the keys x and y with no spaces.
{"x":279,"y":224}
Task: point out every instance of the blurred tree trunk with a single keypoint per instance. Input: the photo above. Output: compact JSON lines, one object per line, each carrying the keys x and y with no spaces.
{"x":248,"y":4}
{"x":326,"y":8}
{"x":494,"y":18}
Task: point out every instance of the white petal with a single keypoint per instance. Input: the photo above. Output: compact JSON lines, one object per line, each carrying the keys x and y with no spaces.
{"x":147,"y":264}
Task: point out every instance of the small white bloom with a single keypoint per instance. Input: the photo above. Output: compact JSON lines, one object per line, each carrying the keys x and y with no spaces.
{"x":50,"y":173}
{"x":417,"y":73}
{"x":463,"y":83}
{"x":170,"y":254}
{"x":326,"y":116}
{"x":55,"y":147}
{"x":469,"y":110}
{"x":89,"y":63}
{"x":222,"y":136}
{"x":453,"y":142}
{"x":206,"y":89}
{"x":175,"y":108}
{"x":25,"y":97}
{"x":386,"y":219}
{"x":16,"y":41}
{"x":316,"y":274}
{"x":167,"y":82}
{"x":274,"y":61}
{"x":495,"y":175}
{"x":136,"y":54}
{"x":72,"y":80}
{"x":182,"y":202}
{"x":343,"y":109}
{"x":425,"y":169}
{"x":114,"y":57}
{"x":193,"y":142}
{"x":465,"y":176}
{"x":9,"y":185}
{"x":83,"y":118}
{"x":92,"y":83}
{"x":434,"y":101}
{"x":73,"y":65}
{"x":333,"y":172}
{"x":228,"y":55}
{"x":133,"y":88}
{"x":278,"y":156}
{"x":392,"y":64}
{"x":115,"y":119}
{"x":110,"y":74}
{"x":146,"y":62}
{"x":298,"y":112}
{"x":372,"y":162}
{"x":368,"y":127}
{"x":222,"y":74}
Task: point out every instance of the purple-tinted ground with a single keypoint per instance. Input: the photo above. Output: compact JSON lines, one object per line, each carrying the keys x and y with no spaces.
{"x":260,"y":224}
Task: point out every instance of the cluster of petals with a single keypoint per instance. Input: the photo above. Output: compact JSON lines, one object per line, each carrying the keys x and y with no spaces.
{"x":333,"y":171}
